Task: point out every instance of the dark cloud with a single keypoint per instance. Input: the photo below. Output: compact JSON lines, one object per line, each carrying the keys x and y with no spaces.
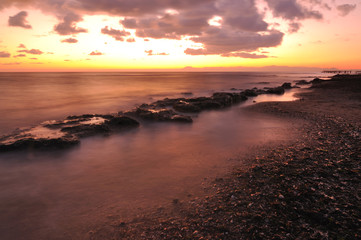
{"x":151,"y":53}
{"x":244,"y":55}
{"x":242,"y":14}
{"x":292,"y":10}
{"x":135,"y":7}
{"x":21,"y":46}
{"x":239,"y":27}
{"x":227,"y":42}
{"x":345,"y":9}
{"x":19,"y":20}
{"x":4,"y":54}
{"x":32,"y":51}
{"x":96,"y":53}
{"x":69,"y":40}
{"x":116,"y":34}
{"x":68,"y":25}
{"x":129,"y":23}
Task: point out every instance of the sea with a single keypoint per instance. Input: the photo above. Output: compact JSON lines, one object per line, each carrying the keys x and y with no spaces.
{"x":66,"y":194}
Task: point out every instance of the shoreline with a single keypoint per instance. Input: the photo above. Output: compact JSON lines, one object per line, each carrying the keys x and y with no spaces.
{"x":309,"y":190}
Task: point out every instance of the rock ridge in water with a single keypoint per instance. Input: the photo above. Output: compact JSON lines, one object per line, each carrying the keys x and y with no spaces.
{"x":68,"y":132}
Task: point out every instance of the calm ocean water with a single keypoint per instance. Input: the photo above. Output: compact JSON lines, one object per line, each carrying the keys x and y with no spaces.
{"x":65,"y":194}
{"x":30,"y":98}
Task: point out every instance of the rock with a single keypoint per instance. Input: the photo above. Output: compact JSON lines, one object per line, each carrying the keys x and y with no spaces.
{"x":85,"y":130}
{"x":161,"y":115}
{"x":122,"y":122}
{"x":29,"y":143}
{"x":286,"y":85}
{"x":184,"y":106}
{"x":182,"y":118}
{"x":276,"y":90}
{"x":250,"y":93}
{"x":302,"y":82}
{"x":316,"y":81}
{"x":224,"y":99}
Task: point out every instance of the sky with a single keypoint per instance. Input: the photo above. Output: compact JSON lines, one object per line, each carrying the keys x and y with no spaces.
{"x":97,"y":35}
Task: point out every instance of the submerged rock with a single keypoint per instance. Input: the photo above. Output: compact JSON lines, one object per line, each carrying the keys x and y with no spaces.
{"x":302,"y":82}
{"x":29,"y":142}
{"x":161,"y":115}
{"x":276,"y":90}
{"x":250,"y":93}
{"x":66,"y":133}
{"x":316,"y":81}
{"x":286,"y":85}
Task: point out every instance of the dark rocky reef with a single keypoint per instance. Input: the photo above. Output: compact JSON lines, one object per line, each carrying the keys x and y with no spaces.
{"x":302,"y":82}
{"x":276,"y":90}
{"x":65,"y":133}
{"x":153,"y":113}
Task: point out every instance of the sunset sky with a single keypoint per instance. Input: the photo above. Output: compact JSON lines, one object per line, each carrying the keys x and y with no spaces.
{"x":67,"y":35}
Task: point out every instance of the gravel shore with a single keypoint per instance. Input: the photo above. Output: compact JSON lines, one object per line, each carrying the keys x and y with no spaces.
{"x":307,"y":190}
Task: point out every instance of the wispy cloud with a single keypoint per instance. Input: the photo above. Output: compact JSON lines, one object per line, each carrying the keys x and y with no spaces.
{"x":345,"y":9}
{"x":32,"y":51}
{"x":20,"y":55}
{"x":115,"y":33}
{"x":69,"y":40}
{"x":4,"y":54}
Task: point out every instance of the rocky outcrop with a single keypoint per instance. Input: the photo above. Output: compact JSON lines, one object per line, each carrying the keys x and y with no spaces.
{"x":66,"y":133}
{"x":286,"y":85}
{"x":276,"y":90}
{"x":302,"y":82}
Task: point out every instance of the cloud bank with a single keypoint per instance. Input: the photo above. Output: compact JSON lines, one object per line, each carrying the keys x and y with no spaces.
{"x":233,"y":28}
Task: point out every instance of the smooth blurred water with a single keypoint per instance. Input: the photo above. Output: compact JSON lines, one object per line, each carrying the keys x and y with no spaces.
{"x":30,"y":98}
{"x":64,"y":194}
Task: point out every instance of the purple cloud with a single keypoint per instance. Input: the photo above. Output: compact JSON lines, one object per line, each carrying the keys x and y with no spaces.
{"x":19,"y":20}
{"x":116,"y":34}
{"x":68,"y":26}
{"x":291,"y":10}
{"x":241,"y":26}
{"x":4,"y":54}
{"x":69,"y":40}
{"x":21,"y":46}
{"x":345,"y":9}
{"x":227,"y":42}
